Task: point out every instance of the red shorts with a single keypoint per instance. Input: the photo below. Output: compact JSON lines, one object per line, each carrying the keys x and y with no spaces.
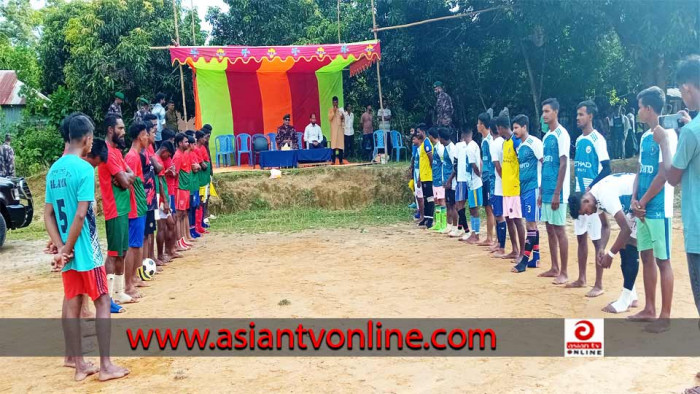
{"x":93,"y":283}
{"x":182,"y":200}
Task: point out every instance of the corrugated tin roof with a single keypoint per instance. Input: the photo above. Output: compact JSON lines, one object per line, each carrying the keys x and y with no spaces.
{"x":10,"y":89}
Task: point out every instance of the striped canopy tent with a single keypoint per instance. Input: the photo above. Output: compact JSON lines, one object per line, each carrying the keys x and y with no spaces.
{"x":240,"y":89}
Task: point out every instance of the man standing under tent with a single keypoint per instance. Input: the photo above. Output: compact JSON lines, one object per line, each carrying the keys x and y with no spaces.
{"x":367,"y":122}
{"x":349,"y":130}
{"x":336,"y":119}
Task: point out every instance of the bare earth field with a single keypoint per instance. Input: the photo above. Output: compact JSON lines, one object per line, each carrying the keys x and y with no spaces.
{"x":396,"y":271}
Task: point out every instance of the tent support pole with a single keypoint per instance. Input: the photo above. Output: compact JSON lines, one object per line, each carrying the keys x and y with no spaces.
{"x":379,"y":82}
{"x":339,"y":22}
{"x":182,"y":78}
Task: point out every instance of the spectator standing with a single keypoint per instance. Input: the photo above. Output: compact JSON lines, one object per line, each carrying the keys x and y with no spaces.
{"x":443,"y":106}
{"x":367,"y":121}
{"x":116,"y":107}
{"x":171,"y":117}
{"x":159,"y":111}
{"x":7,"y":158}
{"x":349,"y":130}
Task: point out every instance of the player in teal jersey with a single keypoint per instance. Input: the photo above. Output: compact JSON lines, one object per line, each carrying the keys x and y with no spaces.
{"x":652,"y":202}
{"x":530,"y":156}
{"x":591,"y":164}
{"x":70,"y":223}
{"x":487,"y":175}
{"x":554,"y":192}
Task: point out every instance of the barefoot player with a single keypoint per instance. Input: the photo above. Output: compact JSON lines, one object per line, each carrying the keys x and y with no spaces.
{"x":183,"y":169}
{"x":613,"y":196}
{"x":555,"y":190}
{"x":70,"y":223}
{"x":496,"y":149}
{"x":474,"y":185}
{"x":591,"y":164}
{"x":116,"y":179}
{"x":652,"y":204}
{"x":447,"y":170}
{"x":137,"y":215}
{"x":530,"y":157}
{"x":510,"y":175}
{"x":487,"y":175}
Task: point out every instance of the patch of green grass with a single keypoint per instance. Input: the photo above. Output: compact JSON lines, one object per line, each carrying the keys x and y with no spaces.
{"x":297,"y":219}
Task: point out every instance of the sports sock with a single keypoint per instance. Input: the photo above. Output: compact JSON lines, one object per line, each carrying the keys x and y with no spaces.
{"x":462,"y":219}
{"x":476,"y":224}
{"x":536,"y":247}
{"x":501,"y":234}
{"x":529,"y":245}
{"x":630,"y":266}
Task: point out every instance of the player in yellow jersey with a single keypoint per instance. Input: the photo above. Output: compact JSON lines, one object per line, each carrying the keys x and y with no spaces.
{"x":510,"y":175}
{"x":425,"y":177}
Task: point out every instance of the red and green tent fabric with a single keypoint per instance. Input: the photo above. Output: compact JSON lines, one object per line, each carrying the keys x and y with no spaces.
{"x":242,"y":89}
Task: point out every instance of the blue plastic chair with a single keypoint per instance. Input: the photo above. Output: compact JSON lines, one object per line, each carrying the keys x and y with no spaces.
{"x":243,"y":147}
{"x":256,"y":153}
{"x":273,"y":140}
{"x":223,"y":148}
{"x":378,"y":137}
{"x":300,"y":139}
{"x":397,"y":144}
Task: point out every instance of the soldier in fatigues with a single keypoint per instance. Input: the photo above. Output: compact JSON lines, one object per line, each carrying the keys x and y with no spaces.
{"x":443,"y":107}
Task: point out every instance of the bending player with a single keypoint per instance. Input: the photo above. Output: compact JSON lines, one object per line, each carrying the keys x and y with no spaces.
{"x":591,"y":164}
{"x":614,"y":196}
{"x":530,"y":156}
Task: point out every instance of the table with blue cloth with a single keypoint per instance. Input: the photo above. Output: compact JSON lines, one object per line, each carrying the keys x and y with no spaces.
{"x":320,"y":155}
{"x":278,"y":158}
{"x":290,"y":158}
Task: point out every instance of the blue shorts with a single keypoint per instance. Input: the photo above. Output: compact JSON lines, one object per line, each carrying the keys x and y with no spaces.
{"x":194,"y":199}
{"x":171,"y":198}
{"x":497,"y":205}
{"x":528,"y":203}
{"x":461,"y":191}
{"x":476,"y":198}
{"x":486,"y":191}
{"x":137,"y":227}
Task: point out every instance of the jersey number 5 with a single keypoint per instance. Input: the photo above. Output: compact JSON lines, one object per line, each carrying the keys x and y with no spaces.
{"x":62,"y":218}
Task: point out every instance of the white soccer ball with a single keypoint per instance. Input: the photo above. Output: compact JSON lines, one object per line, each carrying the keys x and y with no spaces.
{"x":147,"y":269}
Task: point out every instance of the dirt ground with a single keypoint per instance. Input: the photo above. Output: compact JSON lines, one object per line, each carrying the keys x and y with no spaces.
{"x":396,"y":271}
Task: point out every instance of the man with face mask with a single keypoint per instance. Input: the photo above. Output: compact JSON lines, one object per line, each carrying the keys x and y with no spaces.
{"x":116,"y":179}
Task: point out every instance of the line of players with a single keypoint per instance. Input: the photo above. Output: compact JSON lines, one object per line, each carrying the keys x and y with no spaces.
{"x":521,"y":180}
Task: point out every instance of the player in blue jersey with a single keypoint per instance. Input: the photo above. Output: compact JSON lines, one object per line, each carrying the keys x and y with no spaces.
{"x":554,"y":192}
{"x":487,"y":175}
{"x":447,"y":169}
{"x":613,"y":195}
{"x":591,"y":164}
{"x":652,"y":204}
{"x":530,"y":156}
{"x":70,"y":223}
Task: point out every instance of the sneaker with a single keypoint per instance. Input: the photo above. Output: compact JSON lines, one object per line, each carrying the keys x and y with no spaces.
{"x":464,"y":237}
{"x":194,"y":234}
{"x":456,"y":233}
{"x":446,"y":230}
{"x":422,"y":223}
{"x":429,"y":224}
{"x":206,"y":221}
{"x":412,"y":205}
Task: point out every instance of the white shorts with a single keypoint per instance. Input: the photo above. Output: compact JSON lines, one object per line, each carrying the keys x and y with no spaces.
{"x":159,"y":213}
{"x":588,"y":224}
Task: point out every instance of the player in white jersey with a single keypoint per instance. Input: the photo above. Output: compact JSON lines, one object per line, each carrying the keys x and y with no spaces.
{"x":613,"y":195}
{"x":497,"y":196}
{"x":591,"y":164}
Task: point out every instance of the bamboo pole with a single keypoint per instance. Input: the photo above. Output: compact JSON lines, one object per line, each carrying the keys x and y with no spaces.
{"x":442,"y":18}
{"x":182,"y":77}
{"x":379,"y":81}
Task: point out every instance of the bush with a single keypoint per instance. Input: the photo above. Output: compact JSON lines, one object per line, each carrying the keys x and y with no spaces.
{"x":36,"y":146}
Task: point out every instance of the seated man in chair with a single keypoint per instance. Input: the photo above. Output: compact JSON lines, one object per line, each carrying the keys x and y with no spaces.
{"x":313,"y":135}
{"x":286,"y":134}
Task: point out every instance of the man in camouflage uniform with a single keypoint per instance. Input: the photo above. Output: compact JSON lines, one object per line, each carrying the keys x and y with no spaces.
{"x":116,"y":107}
{"x":144,"y":109}
{"x":443,"y":107}
{"x":286,"y":134}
